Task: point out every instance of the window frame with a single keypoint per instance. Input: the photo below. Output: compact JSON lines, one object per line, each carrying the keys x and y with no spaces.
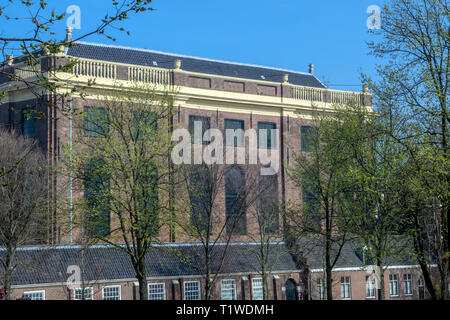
{"x":371,"y":281}
{"x":198,"y":286}
{"x":273,"y":144}
{"x":346,"y":285}
{"x":35,"y":292}
{"x":204,"y":119}
{"x":89,"y":132}
{"x":232,"y":289}
{"x":391,"y":282}
{"x":421,"y":286}
{"x":157,"y":284}
{"x":236,"y":141}
{"x":259,"y":287}
{"x":91,"y":289}
{"x":303,"y":143}
{"x":114,"y":286}
{"x":320,"y":289}
{"x":25,"y":122}
{"x":407,"y":284}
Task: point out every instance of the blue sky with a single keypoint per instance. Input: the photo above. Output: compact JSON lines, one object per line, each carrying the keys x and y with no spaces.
{"x":287,"y":34}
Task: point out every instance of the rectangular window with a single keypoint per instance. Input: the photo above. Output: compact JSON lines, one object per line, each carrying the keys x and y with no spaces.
{"x":156,"y":291}
{"x":268,"y":218}
{"x":421,"y":285}
{"x":311,"y":202}
{"x":228,"y":289}
{"x":393,"y":285}
{"x":192,"y":290}
{"x":320,"y":289}
{"x":145,"y":124}
{"x":111,"y":293}
{"x":257,"y":289}
{"x":407,"y":284}
{"x":345,"y":288}
{"x":96,"y":196}
{"x":267,"y":138}
{"x":88,"y":294}
{"x":35,"y":295}
{"x":234,"y":132}
{"x":370,"y":287}
{"x":29,"y":123}
{"x":307,"y":138}
{"x":204,"y":124}
{"x":96,"y":122}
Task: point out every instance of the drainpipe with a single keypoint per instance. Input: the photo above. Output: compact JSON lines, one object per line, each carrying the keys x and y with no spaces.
{"x":250,"y":285}
{"x":181,"y":288}
{"x":70,"y":182}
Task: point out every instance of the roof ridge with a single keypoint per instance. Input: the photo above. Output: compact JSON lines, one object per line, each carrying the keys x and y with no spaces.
{"x":196,"y":57}
{"x":160,"y":245}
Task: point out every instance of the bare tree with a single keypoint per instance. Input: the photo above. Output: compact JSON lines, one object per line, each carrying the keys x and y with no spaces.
{"x":320,"y":172}
{"x":267,"y":233}
{"x":219,"y":197}
{"x":22,"y":199}
{"x":121,"y":166}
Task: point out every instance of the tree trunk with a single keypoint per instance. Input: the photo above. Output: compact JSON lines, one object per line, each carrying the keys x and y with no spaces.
{"x":328,"y":268}
{"x":381,"y":287}
{"x":419,"y":250}
{"x":8,"y":271}
{"x":141,"y":276}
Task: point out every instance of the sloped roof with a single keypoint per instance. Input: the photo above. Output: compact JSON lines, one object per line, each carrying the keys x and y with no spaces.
{"x":41,"y":264}
{"x":313,"y":251}
{"x":150,"y":58}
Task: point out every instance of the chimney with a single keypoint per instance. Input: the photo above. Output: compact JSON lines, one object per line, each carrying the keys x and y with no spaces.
{"x":9,"y":59}
{"x":68,"y":34}
{"x":177,"y":64}
{"x":311,"y":68}
{"x":365,"y":88}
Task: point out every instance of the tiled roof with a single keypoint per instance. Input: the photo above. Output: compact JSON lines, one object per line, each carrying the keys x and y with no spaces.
{"x":313,"y":251}
{"x":144,"y":57}
{"x":42,"y":264}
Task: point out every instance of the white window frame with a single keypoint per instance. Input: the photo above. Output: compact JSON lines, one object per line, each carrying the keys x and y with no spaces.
{"x":226,"y":289}
{"x":199,"y":289}
{"x":370,"y":287}
{"x":407,"y":284}
{"x":259,"y":286}
{"x":163,"y":290}
{"x":105,"y":287}
{"x":87,"y":288}
{"x":320,"y":284}
{"x":346,"y":288}
{"x":35,"y":292}
{"x":391,"y":283}
{"x":421,"y":285}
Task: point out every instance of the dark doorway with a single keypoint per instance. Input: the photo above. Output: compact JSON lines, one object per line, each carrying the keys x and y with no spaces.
{"x":291,"y":290}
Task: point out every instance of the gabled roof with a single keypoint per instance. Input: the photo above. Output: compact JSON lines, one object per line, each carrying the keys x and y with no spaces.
{"x":150,"y":58}
{"x":42,"y":264}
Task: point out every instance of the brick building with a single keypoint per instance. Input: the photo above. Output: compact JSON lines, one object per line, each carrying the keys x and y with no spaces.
{"x":221,"y":94}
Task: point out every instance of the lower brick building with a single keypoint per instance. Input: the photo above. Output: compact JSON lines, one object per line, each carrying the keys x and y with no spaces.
{"x":176,"y":271}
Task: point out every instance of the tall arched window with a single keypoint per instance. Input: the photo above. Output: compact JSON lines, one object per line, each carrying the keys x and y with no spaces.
{"x":235,"y":210}
{"x":268,"y":204}
{"x":199,"y":182}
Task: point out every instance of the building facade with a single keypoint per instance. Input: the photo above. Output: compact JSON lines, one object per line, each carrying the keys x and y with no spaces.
{"x":221,"y":95}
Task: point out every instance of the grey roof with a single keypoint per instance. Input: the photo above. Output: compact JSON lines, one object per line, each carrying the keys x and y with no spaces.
{"x":312,"y":249}
{"x":43,"y":264}
{"x":144,"y":57}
